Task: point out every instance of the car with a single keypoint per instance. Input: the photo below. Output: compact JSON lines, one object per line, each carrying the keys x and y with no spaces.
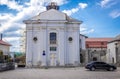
{"x":92,"y":66}
{"x":7,"y":66}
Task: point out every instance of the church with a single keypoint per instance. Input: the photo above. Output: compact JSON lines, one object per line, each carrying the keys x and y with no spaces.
{"x":52,"y":39}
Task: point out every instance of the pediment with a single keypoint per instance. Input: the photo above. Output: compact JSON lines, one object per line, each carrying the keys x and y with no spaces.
{"x":51,"y":14}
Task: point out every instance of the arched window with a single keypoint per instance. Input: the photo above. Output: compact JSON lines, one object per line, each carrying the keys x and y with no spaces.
{"x":53,"y":38}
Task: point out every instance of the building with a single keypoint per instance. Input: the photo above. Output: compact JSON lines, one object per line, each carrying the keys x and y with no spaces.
{"x":4,"y":48}
{"x":113,"y":51}
{"x":52,"y":39}
{"x":82,"y":42}
{"x":82,"y":48}
{"x":96,"y":49}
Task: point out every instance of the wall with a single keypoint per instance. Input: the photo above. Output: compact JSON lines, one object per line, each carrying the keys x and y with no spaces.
{"x":111,"y":53}
{"x":5,"y":49}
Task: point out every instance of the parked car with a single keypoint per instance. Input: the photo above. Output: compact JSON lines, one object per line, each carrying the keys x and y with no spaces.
{"x":100,"y":65}
{"x":7,"y":66}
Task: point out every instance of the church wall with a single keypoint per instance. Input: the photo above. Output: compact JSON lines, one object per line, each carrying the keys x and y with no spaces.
{"x":62,"y":47}
{"x":29,"y":48}
{"x":73,"y":46}
{"x":36,"y":47}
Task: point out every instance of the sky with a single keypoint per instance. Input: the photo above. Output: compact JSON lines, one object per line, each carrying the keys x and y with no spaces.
{"x":101,"y":18}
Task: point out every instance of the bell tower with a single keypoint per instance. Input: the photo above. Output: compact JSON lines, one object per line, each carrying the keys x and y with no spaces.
{"x":52,"y":5}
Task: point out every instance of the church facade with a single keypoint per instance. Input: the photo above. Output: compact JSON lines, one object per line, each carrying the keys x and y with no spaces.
{"x":52,"y":39}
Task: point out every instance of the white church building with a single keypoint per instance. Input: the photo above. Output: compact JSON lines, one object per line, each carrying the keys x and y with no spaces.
{"x":52,"y":39}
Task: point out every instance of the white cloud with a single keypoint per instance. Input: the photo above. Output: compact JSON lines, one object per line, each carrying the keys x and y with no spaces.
{"x":104,"y":3}
{"x":11,"y":4}
{"x":9,"y":39}
{"x":74,"y":10}
{"x":70,"y":12}
{"x":115,"y":14}
{"x":83,"y":5}
{"x":108,"y":3}
{"x":85,"y":30}
{"x":5,"y":16}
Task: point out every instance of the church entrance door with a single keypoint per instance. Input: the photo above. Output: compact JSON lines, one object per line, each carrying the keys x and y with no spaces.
{"x":53,"y":59}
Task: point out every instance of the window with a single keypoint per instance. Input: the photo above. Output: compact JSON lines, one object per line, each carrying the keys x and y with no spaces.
{"x":53,"y":48}
{"x":70,"y":39}
{"x":53,"y":38}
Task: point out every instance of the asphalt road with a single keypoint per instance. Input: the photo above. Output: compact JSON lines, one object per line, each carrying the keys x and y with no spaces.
{"x":59,"y":73}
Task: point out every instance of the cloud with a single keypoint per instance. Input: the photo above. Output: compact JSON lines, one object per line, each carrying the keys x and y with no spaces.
{"x":108,"y":3}
{"x":70,"y":12}
{"x":85,"y":30}
{"x":74,"y":10}
{"x":104,"y":3}
{"x":11,"y":24}
{"x":11,"y":4}
{"x":83,"y":5}
{"x":115,"y":14}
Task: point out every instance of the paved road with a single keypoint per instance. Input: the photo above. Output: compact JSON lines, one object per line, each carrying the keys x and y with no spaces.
{"x":59,"y":73}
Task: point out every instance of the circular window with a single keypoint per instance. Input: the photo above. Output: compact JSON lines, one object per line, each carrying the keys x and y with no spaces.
{"x":70,"y":38}
{"x":35,"y":38}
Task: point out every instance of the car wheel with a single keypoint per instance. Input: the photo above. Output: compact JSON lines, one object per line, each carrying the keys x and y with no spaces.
{"x":92,"y":69}
{"x":111,"y":69}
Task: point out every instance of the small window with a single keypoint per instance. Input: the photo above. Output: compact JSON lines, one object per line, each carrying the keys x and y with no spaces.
{"x":70,"y":39}
{"x":35,"y":39}
{"x":53,"y":48}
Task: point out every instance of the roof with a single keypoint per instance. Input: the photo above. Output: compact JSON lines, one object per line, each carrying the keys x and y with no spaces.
{"x":83,"y":35}
{"x":4,"y":43}
{"x":97,"y":42}
{"x":117,"y":38}
{"x":98,"y":39}
{"x":44,"y":16}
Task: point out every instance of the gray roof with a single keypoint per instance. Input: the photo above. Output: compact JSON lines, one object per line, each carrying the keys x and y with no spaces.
{"x":117,"y":38}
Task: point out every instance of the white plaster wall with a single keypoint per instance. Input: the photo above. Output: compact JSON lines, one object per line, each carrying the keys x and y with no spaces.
{"x":52,"y":15}
{"x":62,"y":48}
{"x":29,"y":47}
{"x":73,"y":47}
{"x":111,"y":53}
{"x":82,"y":44}
{"x":5,"y":49}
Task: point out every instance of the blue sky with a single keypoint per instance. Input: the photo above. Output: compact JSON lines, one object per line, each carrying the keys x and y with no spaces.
{"x":101,"y":18}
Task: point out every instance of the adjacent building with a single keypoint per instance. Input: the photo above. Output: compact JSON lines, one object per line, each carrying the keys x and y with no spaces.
{"x":52,"y":39}
{"x":82,"y":48}
{"x":113,"y":51}
{"x":96,"y":49}
{"x":4,"y":48}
